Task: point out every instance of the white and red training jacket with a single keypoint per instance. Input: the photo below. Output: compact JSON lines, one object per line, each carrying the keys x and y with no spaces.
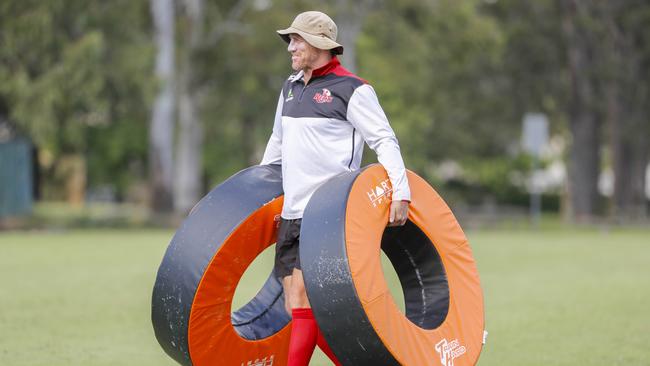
{"x":319,"y":131}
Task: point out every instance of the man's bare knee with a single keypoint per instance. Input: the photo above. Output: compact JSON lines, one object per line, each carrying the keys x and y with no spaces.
{"x":286,"y":287}
{"x":298,"y":293}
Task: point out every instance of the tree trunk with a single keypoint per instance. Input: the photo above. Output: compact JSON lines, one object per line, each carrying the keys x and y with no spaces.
{"x":162,"y":121}
{"x":584,"y":154}
{"x":630,"y":158}
{"x":248,"y":141}
{"x":630,"y":162}
{"x":627,"y":99}
{"x":187,"y":187}
{"x":349,"y":20}
{"x":74,"y":171}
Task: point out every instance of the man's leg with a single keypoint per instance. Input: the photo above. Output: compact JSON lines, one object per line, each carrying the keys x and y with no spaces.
{"x":322,"y":344}
{"x":286,"y":255}
{"x":305,"y":334}
{"x":297,"y":291}
{"x":286,"y":287}
{"x":304,"y":330}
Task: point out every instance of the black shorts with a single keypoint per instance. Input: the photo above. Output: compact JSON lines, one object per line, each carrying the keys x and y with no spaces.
{"x":287,"y":256}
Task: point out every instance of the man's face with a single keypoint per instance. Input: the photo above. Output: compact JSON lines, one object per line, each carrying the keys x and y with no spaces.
{"x":303,"y":55}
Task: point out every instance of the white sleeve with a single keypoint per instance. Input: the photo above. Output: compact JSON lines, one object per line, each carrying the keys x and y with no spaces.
{"x":367,"y":116}
{"x":273,"y":152}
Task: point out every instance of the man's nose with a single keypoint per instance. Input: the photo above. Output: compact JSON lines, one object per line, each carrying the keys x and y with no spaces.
{"x":291,"y":47}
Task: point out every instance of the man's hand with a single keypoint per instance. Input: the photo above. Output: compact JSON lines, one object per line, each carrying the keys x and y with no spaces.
{"x":399,"y":212}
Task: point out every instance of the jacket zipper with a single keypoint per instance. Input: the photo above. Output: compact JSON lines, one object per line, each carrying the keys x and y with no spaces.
{"x":302,"y":92}
{"x":352,"y":155}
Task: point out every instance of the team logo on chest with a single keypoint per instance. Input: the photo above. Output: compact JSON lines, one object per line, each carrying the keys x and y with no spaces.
{"x":324,"y":97}
{"x":289,"y":96}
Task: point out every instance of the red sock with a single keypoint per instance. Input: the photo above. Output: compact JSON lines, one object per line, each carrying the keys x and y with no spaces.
{"x":304,"y":332}
{"x":322,"y":343}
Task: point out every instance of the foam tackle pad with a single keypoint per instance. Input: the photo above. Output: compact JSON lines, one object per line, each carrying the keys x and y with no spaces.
{"x":192,"y":296}
{"x":343,"y":233}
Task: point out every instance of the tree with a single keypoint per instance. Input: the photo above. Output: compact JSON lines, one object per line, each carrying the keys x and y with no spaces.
{"x":161,"y":130}
{"x":627,"y":101}
{"x":437,"y":71}
{"x":62,"y":71}
{"x":192,"y":90}
{"x":187,"y":175}
{"x":581,"y":62}
{"x":350,"y":16}
{"x":584,"y":118}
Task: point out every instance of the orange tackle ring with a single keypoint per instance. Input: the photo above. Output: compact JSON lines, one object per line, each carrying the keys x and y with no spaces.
{"x":192,"y":296}
{"x":343,"y":232}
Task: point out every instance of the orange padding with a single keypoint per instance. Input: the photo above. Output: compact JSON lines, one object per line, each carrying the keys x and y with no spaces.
{"x":458,"y":340}
{"x":211,"y":336}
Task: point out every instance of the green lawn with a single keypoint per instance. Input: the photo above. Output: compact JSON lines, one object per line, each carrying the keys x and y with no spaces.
{"x":558,"y":297}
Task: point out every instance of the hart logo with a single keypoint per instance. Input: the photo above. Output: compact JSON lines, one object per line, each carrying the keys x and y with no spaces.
{"x":289,"y":95}
{"x":324,"y":97}
{"x":381,"y":193}
{"x":449,"y":351}
{"x":266,"y":361}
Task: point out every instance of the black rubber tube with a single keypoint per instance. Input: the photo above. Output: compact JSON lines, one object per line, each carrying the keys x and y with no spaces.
{"x":192,"y":248}
{"x":328,"y":280}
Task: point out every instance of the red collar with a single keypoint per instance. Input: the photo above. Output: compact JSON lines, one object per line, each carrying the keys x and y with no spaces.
{"x":327,"y":68}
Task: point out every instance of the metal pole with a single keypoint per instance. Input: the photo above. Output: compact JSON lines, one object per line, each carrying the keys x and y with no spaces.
{"x":535,"y":196}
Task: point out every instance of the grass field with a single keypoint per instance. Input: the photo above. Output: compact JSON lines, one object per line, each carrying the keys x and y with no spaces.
{"x":553,"y":297}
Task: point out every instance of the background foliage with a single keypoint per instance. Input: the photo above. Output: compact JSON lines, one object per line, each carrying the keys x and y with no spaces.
{"x":454,"y":77}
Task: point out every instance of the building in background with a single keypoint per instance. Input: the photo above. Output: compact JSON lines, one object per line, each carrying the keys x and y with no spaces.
{"x":16,"y":173}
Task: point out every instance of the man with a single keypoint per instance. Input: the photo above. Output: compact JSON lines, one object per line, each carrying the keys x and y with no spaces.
{"x":324,"y":115}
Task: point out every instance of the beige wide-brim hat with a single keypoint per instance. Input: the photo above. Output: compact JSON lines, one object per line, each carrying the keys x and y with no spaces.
{"x":318,"y":29}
